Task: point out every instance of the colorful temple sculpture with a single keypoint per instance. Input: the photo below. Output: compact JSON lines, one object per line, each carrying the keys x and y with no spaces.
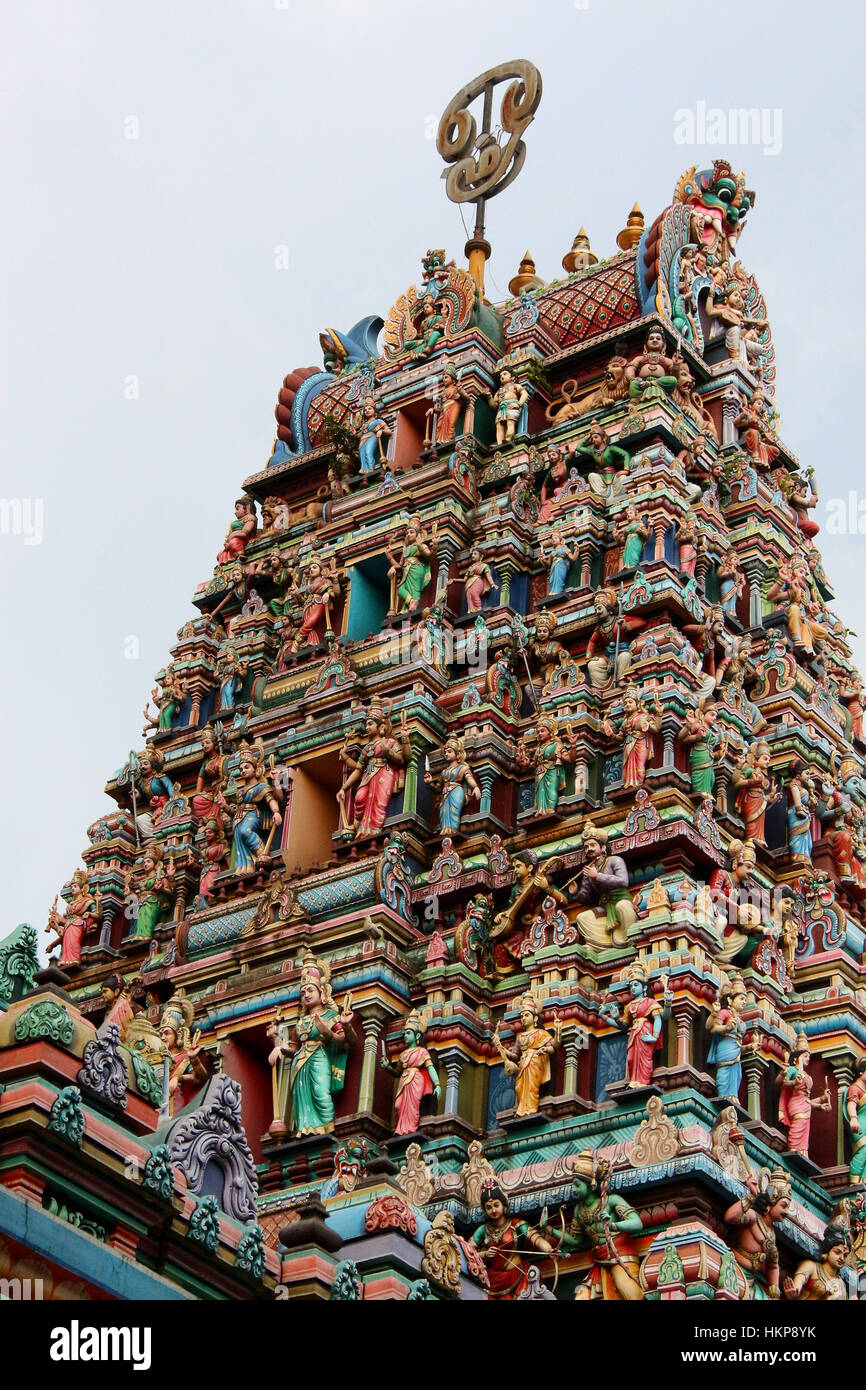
{"x":482,"y":916}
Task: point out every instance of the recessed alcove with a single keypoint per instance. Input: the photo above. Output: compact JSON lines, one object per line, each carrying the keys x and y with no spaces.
{"x":313,"y":811}
{"x":369,"y":597}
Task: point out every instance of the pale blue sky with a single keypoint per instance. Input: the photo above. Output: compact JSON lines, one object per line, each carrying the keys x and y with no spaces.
{"x":310,"y":125}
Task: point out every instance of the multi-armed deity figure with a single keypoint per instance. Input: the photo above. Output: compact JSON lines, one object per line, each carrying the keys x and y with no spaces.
{"x":755,"y":790}
{"x":793,"y":591}
{"x":317,"y":1050}
{"x":153,"y":790}
{"x":604,"y":1222}
{"x":608,"y":653}
{"x":83,"y":911}
{"x":529,"y":1061}
{"x":636,"y":729}
{"x":642,"y":1017}
{"x":508,"y":402}
{"x":548,"y":757}
{"x":150,"y":891}
{"x":652,"y":373}
{"x":417,"y":1074}
{"x":376,"y":774}
{"x":185,"y":1069}
{"x":311,"y":596}
{"x":603,"y":884}
{"x":168,"y":700}
{"x":257,"y":811}
{"x":456,"y":782}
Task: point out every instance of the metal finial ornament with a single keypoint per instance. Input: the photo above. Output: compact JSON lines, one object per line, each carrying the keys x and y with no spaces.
{"x":481,"y":167}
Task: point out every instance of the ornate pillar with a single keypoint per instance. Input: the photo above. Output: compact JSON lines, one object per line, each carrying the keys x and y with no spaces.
{"x":486,"y":777}
{"x":685,"y":1011}
{"x":453,"y":1061}
{"x":702,"y":564}
{"x":753,"y":1067}
{"x":506,"y":569}
{"x":371,"y":1022}
{"x":446,"y":549}
{"x":571,"y":1045}
{"x":410,"y":786}
{"x":586,"y":553}
{"x":669,"y":732}
{"x":843,"y":1070}
{"x":732,"y":405}
{"x":109,"y":912}
{"x":659,"y":526}
{"x":754,"y":574}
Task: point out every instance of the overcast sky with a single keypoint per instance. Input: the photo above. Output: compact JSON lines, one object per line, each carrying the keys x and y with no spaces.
{"x":154,"y":157}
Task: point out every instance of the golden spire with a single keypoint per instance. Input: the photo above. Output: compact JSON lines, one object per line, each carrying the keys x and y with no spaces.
{"x":632,"y":231}
{"x":526,"y":278}
{"x":580,"y":257}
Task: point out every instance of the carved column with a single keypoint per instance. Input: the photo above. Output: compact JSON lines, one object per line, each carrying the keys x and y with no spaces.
{"x":685,"y":1011}
{"x":453,"y":1061}
{"x":754,"y":574}
{"x":586,"y":554}
{"x":486,"y":777}
{"x":371,"y":1022}
{"x":410,"y":786}
{"x":506,"y":569}
{"x":843,"y":1070}
{"x":446,"y":549}
{"x":109,"y":912}
{"x":753,"y":1067}
{"x":571,"y":1045}
{"x":731,"y":408}
{"x":669,"y":732}
{"x":702,"y":564}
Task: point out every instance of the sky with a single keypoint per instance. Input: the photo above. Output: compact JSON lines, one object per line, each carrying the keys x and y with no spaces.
{"x":193,"y":191}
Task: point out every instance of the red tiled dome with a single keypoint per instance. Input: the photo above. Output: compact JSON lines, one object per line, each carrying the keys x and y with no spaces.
{"x":580,"y":308}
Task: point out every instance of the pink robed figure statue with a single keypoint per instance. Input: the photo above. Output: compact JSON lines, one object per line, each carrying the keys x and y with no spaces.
{"x":418,"y":1076}
{"x":641,"y":1017}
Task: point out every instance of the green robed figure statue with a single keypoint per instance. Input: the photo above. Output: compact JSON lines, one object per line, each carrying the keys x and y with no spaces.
{"x":317,"y":1049}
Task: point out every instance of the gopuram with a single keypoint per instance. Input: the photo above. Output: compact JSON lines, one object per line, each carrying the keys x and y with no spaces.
{"x":481,"y":914}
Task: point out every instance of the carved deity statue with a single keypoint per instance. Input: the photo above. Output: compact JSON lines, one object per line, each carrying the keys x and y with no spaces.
{"x":317,"y":1050}
{"x":529,"y":1061}
{"x":375,"y":775}
{"x":602,"y":884}
{"x":417,"y":1074}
